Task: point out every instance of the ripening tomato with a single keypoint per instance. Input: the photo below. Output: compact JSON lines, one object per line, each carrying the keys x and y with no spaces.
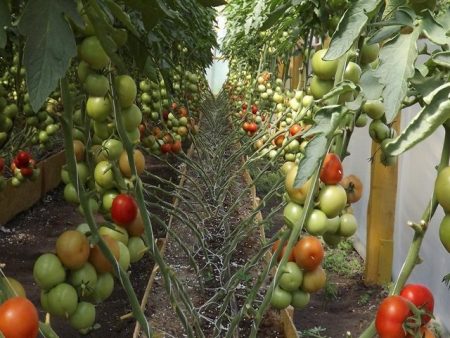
{"x":295,"y":129}
{"x":331,"y":171}
{"x":72,"y":248}
{"x":19,"y":318}
{"x":139,"y":161}
{"x":124,"y":209}
{"x":308,"y":253}
{"x":254,"y":108}
{"x":99,"y":261}
{"x":176,"y":147}
{"x":392,"y":313}
{"x":421,"y":297}
{"x":275,"y":245}
{"x":166,"y":148}
{"x":353,"y":187}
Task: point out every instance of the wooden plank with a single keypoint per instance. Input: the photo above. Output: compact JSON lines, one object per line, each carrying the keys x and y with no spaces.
{"x":380,"y":219}
{"x":296,"y":67}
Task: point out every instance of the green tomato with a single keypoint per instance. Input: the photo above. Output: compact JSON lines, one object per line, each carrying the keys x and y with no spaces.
{"x":108,"y":198}
{"x":83,"y":70}
{"x":92,"y":52}
{"x":101,"y":130}
{"x":112,"y":149}
{"x":325,"y":70}
{"x":374,"y":109}
{"x":132,"y":117}
{"x":291,"y":277}
{"x":348,"y":225}
{"x":352,"y":72}
{"x":136,"y":248}
{"x":444,"y":232}
{"x":117,"y":232}
{"x":84,"y":279}
{"x":48,"y":271}
{"x":104,"y":287}
{"x":317,"y":223}
{"x":124,"y":258}
{"x":331,"y":239}
{"x":96,"y":85}
{"x":93,"y":204}
{"x":11,"y":110}
{"x":83,"y":317}
{"x":98,"y":108}
{"x":332,"y":200}
{"x":71,"y":194}
{"x":320,"y":87}
{"x":442,"y":189}
{"x":292,"y":213}
{"x":126,"y":90}
{"x":281,"y":299}
{"x":369,"y":53}
{"x":379,"y":131}
{"x":300,"y":299}
{"x":62,"y":300}
{"x":362,"y":120}
{"x":333,"y":224}
{"x":103,"y":175}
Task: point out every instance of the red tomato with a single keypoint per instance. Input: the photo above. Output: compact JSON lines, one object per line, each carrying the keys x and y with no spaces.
{"x":331,"y":171}
{"x":392,"y":313}
{"x":19,"y":318}
{"x":22,"y":159}
{"x":308,"y":253}
{"x":175,"y":147}
{"x":244,"y":106}
{"x":2,"y":164}
{"x":253,"y":127}
{"x":26,"y":171}
{"x":275,"y":245}
{"x":421,"y":297}
{"x":295,"y":129}
{"x":124,"y":209}
{"x":254,"y":108}
{"x":166,"y":148}
{"x":165,"y":115}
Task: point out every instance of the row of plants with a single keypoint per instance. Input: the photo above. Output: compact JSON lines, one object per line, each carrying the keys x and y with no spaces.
{"x":366,"y":73}
{"x":115,"y":84}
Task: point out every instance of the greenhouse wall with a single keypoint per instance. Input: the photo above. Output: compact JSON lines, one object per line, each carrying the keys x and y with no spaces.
{"x":416,"y":178}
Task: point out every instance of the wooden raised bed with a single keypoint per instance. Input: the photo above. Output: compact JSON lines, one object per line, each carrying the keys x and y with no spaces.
{"x":14,"y":200}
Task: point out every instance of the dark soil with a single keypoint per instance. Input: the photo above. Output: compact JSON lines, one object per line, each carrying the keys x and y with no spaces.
{"x":35,"y":231}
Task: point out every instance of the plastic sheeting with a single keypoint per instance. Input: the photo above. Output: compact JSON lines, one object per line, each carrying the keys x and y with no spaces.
{"x":416,"y":176}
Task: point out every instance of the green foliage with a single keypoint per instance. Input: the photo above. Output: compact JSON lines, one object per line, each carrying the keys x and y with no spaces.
{"x":49,"y":46}
{"x":315,"y":332}
{"x":5,"y":21}
{"x":343,"y":260}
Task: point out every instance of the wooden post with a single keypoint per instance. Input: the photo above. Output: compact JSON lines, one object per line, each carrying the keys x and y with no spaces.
{"x":380,"y":219}
{"x":296,"y":63}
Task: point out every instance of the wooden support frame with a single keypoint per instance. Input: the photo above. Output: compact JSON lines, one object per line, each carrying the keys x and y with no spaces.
{"x":381,"y":219}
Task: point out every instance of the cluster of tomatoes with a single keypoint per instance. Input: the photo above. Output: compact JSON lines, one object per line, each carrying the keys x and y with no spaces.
{"x":23,"y":167}
{"x":406,"y":315}
{"x":302,"y":274}
{"x":250,"y":125}
{"x":7,"y":114}
{"x":168,"y":125}
{"x":79,"y":275}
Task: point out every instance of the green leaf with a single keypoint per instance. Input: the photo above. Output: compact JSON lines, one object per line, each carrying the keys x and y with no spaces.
{"x":5,"y":21}
{"x":425,"y":85}
{"x":123,"y":17}
{"x":274,"y":16}
{"x":442,"y":59}
{"x":397,"y":59}
{"x":341,"y":88}
{"x":327,"y":120}
{"x":49,"y":46}
{"x":424,"y":123}
{"x":212,"y":3}
{"x":350,"y":27}
{"x":383,"y":34}
{"x":372,"y":89}
{"x":434,"y":31}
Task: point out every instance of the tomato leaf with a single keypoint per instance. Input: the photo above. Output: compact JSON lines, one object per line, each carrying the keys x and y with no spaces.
{"x":212,"y":3}
{"x":327,"y":120}
{"x":350,"y":27}
{"x":5,"y":21}
{"x":442,"y":59}
{"x":433,"y":30}
{"x":397,"y":59}
{"x":274,"y":16}
{"x":433,"y":115}
{"x":343,"y":87}
{"x":384,"y":33}
{"x":425,"y":85}
{"x":123,"y":17}
{"x":49,"y":46}
{"x":371,"y":88}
